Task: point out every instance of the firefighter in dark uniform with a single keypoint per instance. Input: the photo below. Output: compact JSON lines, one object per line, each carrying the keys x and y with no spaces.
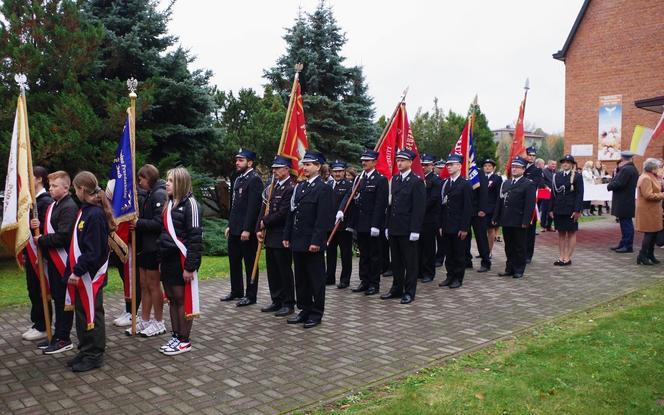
{"x":270,"y":230}
{"x":310,"y":219}
{"x":438,"y":168}
{"x":478,"y":222}
{"x":246,"y":203}
{"x":455,"y":217}
{"x":514,"y":212}
{"x":427,"y":244}
{"x":494,"y":181}
{"x":367,"y":212}
{"x":566,"y":207}
{"x":405,"y":215}
{"x":343,"y":238}
{"x":536,"y":175}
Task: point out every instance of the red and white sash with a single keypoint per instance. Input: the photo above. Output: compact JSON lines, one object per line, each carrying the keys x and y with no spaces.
{"x":125,"y":235}
{"x":56,"y":255}
{"x":191,"y":300}
{"x":87,"y":286}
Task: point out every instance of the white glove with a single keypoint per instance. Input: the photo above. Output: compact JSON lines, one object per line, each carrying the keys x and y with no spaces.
{"x":387,"y":234}
{"x":349,"y":229}
{"x":414,"y":236}
{"x":340,"y":216}
{"x":375,"y":232}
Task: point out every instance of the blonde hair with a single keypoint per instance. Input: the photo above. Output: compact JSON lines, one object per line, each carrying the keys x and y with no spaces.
{"x":62,"y":175}
{"x":88,"y":182}
{"x":588,"y":165}
{"x":181,"y":183}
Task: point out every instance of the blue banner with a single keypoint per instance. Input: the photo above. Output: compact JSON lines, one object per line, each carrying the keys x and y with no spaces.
{"x":473,"y":171}
{"x":123,"y":203}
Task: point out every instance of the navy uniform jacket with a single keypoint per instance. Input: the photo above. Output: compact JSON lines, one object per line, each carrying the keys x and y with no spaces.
{"x":493,"y":184}
{"x":370,"y":202}
{"x":479,"y":195}
{"x":434,"y":185}
{"x":246,"y":203}
{"x":623,"y":186}
{"x":456,"y":208}
{"x":63,"y":217}
{"x":535,"y":175}
{"x":516,"y":203}
{"x":275,"y":220}
{"x":92,"y":233}
{"x":341,"y":193}
{"x":310,"y":217}
{"x":406,"y":212}
{"x":566,"y":198}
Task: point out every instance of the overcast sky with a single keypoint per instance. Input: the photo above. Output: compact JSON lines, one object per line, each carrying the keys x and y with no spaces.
{"x":446,"y":49}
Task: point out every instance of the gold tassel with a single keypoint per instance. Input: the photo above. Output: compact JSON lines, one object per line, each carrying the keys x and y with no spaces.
{"x":191,"y":316}
{"x":90,"y":326}
{"x":69,"y":308}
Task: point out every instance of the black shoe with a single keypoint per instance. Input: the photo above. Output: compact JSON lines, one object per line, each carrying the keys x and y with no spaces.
{"x":311,"y":323}
{"x":390,"y":294}
{"x":517,"y":275}
{"x":623,"y":250}
{"x":641,"y":260}
{"x":529,"y":260}
{"x":613,"y":248}
{"x":455,"y":284}
{"x":245,"y":301}
{"x":300,"y":318}
{"x":445,"y":283}
{"x":284,"y":311}
{"x":371,"y":291}
{"x":75,"y":360}
{"x":360,"y":288}
{"x":483,"y":269}
{"x":566,"y":263}
{"x":58,"y":346}
{"x":86,"y":365}
{"x":478,"y":256}
{"x":406,"y":299}
{"x":230,"y":297}
{"x":388,"y":273}
{"x":653,"y":259}
{"x":505,"y":274}
{"x":270,"y":308}
{"x":438,"y":264}
{"x":342,"y":285}
{"x":559,"y":263}
{"x":427,"y":279}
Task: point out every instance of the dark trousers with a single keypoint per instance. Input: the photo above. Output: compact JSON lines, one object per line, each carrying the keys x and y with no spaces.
{"x":405,"y":264}
{"x":385,"y":263}
{"x":515,"y":249}
{"x":545,"y":221}
{"x":530,"y":239}
{"x":370,"y":259}
{"x":64,"y":320}
{"x":34,"y":292}
{"x":242,"y":251}
{"x":627,"y":233}
{"x":310,"y":283}
{"x":427,"y":248}
{"x":455,"y":254}
{"x":114,"y":261}
{"x":344,"y":241}
{"x":648,"y":245}
{"x":440,"y":248}
{"x":479,"y":227}
{"x":91,"y":343}
{"x":280,"y":276}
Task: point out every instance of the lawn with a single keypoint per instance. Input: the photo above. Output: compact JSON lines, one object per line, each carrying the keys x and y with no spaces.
{"x":607,"y":360}
{"x":13,"y":289}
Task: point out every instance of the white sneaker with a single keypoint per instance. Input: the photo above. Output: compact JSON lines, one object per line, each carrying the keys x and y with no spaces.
{"x":33,"y":334}
{"x":154,"y":328}
{"x":174,"y":340}
{"x":140,"y":326}
{"x":123,"y":321}
{"x":177,"y":348}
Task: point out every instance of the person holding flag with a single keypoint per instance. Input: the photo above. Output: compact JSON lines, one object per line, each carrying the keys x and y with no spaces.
{"x":343,"y":239}
{"x":427,"y":242}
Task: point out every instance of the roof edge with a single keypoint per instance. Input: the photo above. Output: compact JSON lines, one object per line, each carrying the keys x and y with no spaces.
{"x":560,"y":55}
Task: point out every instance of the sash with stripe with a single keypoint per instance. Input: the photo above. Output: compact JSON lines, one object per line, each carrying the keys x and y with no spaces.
{"x":87,"y":286}
{"x":191,"y":300}
{"x":123,"y":233}
{"x":31,"y":249}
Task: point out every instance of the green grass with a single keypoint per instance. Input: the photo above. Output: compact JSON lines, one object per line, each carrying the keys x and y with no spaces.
{"x":13,"y":289}
{"x":607,"y":360}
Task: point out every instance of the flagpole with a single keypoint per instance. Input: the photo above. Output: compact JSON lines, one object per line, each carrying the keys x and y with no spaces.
{"x":526,"y":87}
{"x":132,"y":84}
{"x":22,"y":82}
{"x":284,"y":131}
{"x":471,"y":125}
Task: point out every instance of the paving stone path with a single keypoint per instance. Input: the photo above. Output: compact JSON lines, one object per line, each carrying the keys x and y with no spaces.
{"x":245,"y":361}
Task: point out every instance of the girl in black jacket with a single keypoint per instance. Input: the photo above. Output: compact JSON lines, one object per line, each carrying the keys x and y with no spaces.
{"x":180,"y":248}
{"x":88,"y":262}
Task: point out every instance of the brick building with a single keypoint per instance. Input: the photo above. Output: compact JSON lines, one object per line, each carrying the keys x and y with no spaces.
{"x":615,"y":49}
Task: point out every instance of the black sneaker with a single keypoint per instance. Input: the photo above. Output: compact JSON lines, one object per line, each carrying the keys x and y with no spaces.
{"x":44,"y":344}
{"x":58,"y":346}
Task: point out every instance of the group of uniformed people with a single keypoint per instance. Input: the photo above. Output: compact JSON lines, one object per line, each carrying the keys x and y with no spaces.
{"x":424,"y":219}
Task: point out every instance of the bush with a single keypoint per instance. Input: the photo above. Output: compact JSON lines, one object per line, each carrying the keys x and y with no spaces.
{"x":214,"y":243}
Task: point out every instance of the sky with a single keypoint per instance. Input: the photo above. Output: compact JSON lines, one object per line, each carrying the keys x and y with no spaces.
{"x":451,"y":50}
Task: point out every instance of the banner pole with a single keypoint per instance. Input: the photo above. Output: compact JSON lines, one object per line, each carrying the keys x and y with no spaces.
{"x":132,"y":84}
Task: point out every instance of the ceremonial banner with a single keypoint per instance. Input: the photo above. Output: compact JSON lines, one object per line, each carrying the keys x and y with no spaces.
{"x":295,"y":143}
{"x":518,"y":144}
{"x":124,"y":193}
{"x":640,"y":139}
{"x":398,"y":136}
{"x":609,"y":127}
{"x":466,"y":148}
{"x":15,"y":228}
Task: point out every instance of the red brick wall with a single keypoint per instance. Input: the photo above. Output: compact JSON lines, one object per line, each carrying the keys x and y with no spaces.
{"x":618,"y":49}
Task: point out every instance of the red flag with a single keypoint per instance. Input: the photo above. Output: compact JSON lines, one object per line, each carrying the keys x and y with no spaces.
{"x":462,"y":146}
{"x":295,"y":143}
{"x":517,"y":148}
{"x":399,"y":136}
{"x":659,"y":128}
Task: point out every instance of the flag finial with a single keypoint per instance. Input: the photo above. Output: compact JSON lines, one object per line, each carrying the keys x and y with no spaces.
{"x":132,"y":85}
{"x":298,"y":67}
{"x":475,"y":101}
{"x":527,"y":85}
{"x":22,"y":81}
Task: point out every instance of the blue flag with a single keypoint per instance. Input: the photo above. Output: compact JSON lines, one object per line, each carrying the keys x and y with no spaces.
{"x":473,"y":171}
{"x":123,"y":203}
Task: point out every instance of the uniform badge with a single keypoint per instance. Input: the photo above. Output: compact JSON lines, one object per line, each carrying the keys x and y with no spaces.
{"x":80,"y":225}
{"x":158,"y":204}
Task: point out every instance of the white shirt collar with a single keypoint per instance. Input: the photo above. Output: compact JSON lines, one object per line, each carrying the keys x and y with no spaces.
{"x":312,"y":179}
{"x":281,"y":182}
{"x":39,"y":193}
{"x":405,"y":174}
{"x":368,"y":174}
{"x":454,"y":179}
{"x":246,"y":172}
{"x":516,"y":179}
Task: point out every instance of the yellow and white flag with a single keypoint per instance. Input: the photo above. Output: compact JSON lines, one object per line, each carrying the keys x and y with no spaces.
{"x":15,"y":228}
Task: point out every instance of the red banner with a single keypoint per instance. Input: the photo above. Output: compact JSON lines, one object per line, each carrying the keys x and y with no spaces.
{"x":295,"y":143}
{"x":399,"y":136}
{"x":518,"y":148}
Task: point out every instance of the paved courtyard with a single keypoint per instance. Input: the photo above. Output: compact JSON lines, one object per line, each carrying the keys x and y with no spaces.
{"x":245,"y":361}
